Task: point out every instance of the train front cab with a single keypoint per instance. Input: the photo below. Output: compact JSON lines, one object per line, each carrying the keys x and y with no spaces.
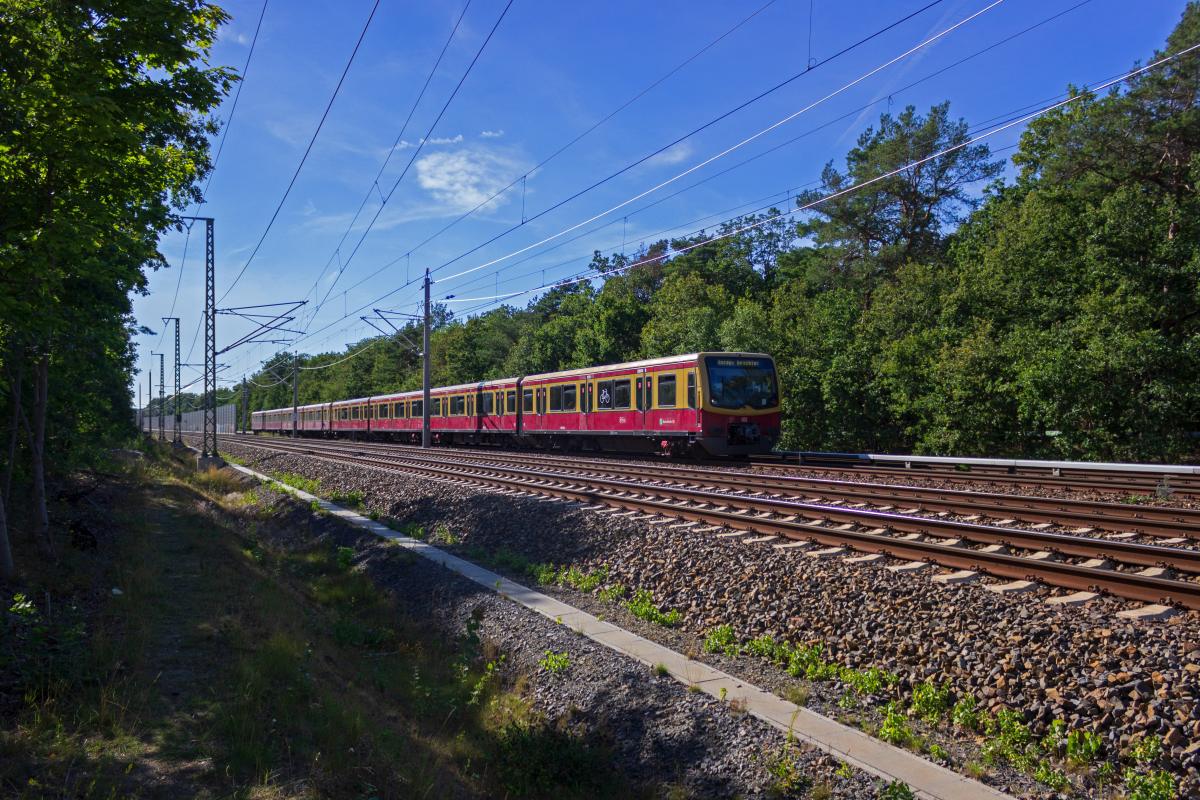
{"x":740,"y":412}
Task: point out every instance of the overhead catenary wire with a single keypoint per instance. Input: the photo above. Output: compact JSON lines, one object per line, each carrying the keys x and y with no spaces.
{"x":304,"y":158}
{"x":910,"y":85}
{"x":643,"y":159}
{"x":884,"y":176}
{"x":364,"y":348}
{"x":732,"y":148}
{"x":853,"y":112}
{"x":563,"y":148}
{"x":391,"y":151}
{"x":417,"y":151}
{"x":213,"y":168}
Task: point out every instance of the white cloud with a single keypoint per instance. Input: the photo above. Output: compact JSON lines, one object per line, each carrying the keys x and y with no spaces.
{"x":241,"y":38}
{"x":405,"y":144}
{"x":465,"y":178}
{"x":492,"y":134}
{"x":672,"y":155}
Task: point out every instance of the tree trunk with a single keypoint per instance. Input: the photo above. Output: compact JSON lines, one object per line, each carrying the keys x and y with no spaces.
{"x":37,"y":451}
{"x":17,"y":389}
{"x":7,"y":570}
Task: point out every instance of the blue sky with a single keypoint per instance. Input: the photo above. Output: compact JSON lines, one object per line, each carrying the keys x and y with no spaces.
{"x":548,"y":74}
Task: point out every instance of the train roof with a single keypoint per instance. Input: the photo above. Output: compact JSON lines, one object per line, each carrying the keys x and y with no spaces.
{"x":648,"y":362}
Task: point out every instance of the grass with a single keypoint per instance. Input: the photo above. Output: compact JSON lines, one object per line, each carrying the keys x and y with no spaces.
{"x":228,"y":667}
{"x":297,"y":481}
{"x":351,"y":499}
{"x":801,"y":661}
{"x":783,"y":765}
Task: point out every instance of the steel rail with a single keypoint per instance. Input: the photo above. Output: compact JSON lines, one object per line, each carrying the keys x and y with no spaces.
{"x":1149,"y":520}
{"x":1136,"y":586}
{"x":1181,"y":485}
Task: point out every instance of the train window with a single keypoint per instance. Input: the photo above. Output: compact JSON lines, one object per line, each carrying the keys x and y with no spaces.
{"x":456,"y":406}
{"x":418,"y":408}
{"x":343,"y":413}
{"x":556,"y":393}
{"x":486,"y":406}
{"x":666,"y":391}
{"x":398,"y":411}
{"x":604,"y":394}
{"x":691,"y":389}
{"x":471,"y":405}
{"x":511,"y":401}
{"x":568,"y":398}
{"x":527,"y":401}
{"x":641,"y":389}
{"x":435,"y":407}
{"x":354,"y":413}
{"x":621,"y":394}
{"x":385,"y":411}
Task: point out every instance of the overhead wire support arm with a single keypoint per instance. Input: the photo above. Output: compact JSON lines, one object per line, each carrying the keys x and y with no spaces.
{"x":266,"y":323}
{"x":386,"y":316}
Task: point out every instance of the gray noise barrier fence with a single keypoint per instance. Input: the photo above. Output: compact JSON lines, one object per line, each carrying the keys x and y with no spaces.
{"x":192,"y":421}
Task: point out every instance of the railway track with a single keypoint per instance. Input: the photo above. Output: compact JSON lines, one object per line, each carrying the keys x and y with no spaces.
{"x":1108,"y":566}
{"x":1115,"y":482}
{"x":1154,"y":521}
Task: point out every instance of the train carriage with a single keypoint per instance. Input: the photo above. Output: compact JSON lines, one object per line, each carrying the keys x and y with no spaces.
{"x":718,"y":403}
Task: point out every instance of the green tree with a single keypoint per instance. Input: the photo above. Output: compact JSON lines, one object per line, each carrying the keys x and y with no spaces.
{"x":103,"y":133}
{"x":900,"y":215}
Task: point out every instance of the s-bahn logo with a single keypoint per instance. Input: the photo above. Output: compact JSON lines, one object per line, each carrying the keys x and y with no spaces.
{"x":604,"y":397}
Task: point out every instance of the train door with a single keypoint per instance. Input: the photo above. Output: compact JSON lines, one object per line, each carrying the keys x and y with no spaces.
{"x":587,"y":400}
{"x":641,"y":401}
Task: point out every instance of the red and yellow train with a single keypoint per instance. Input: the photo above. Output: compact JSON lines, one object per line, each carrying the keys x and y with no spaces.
{"x":718,"y":403}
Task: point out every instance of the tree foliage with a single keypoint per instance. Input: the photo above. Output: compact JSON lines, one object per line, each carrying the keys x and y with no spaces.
{"x":103,"y":137}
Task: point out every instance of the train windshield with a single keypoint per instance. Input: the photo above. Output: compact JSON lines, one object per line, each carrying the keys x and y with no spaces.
{"x":736,"y":383}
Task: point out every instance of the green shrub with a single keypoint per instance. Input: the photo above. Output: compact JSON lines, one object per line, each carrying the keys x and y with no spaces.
{"x":1083,"y":747}
{"x":894,"y":729}
{"x":296,"y":481}
{"x":545,"y":574}
{"x":1048,"y":776}
{"x":896,"y":790}
{"x":612,"y":594}
{"x":1055,"y":739}
{"x":1156,"y":785}
{"x":555,"y":663}
{"x":345,"y":556}
{"x":353,"y":499}
{"x":1147,"y":750}
{"x":763,"y":647}
{"x":965,"y":714}
{"x":641,"y":605}
{"x":722,"y":639}
{"x":866,"y":681}
{"x":930,"y":702}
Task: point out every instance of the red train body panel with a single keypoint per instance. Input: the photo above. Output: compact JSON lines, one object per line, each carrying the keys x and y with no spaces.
{"x":722,"y":403}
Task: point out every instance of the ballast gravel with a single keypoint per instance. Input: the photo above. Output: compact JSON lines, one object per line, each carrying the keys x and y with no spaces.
{"x":1122,"y":679}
